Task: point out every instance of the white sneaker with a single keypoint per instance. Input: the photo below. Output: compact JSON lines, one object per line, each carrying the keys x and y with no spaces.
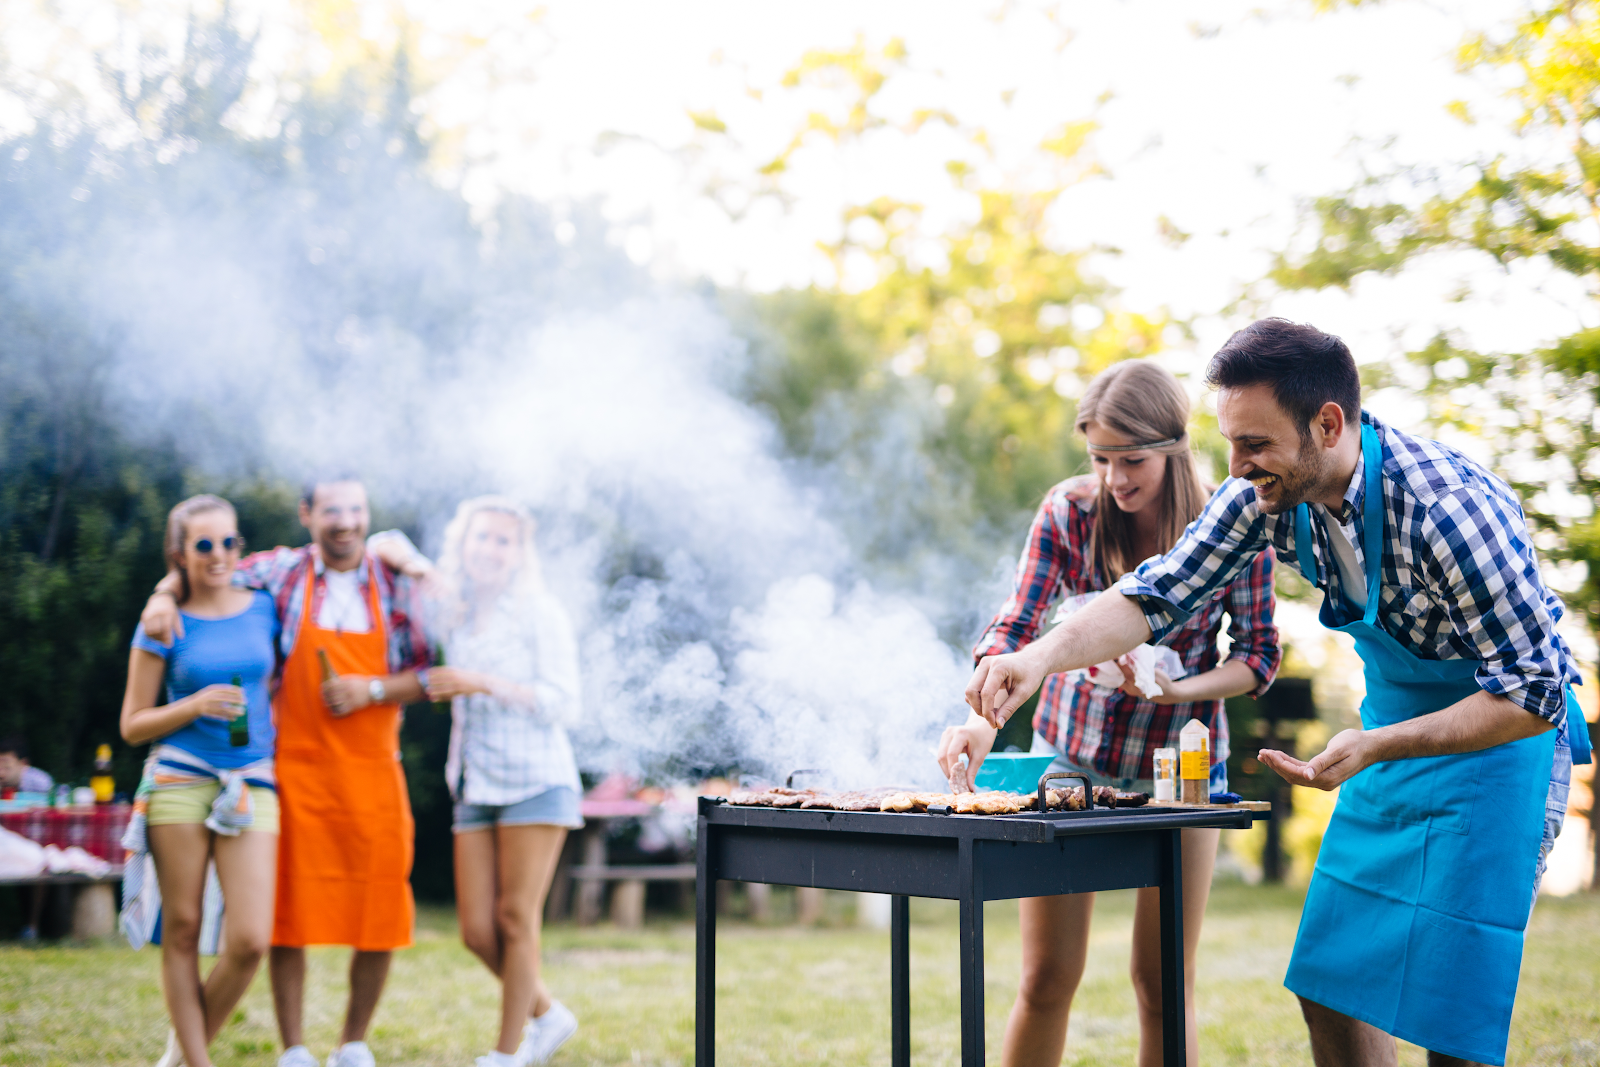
{"x":498,"y":1059}
{"x":352,"y":1054}
{"x":542,"y":1036}
{"x":297,"y":1056}
{"x":173,"y":1056}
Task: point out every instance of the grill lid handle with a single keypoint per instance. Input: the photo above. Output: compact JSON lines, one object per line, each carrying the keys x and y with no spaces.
{"x":1044,"y":796}
{"x":788,"y":783}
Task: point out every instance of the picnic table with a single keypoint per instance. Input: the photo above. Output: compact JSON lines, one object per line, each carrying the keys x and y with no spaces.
{"x":95,"y":828}
{"x":613,"y":800}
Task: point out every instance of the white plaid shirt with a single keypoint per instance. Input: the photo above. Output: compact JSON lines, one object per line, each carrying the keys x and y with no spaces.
{"x":1460,"y":579}
{"x":502,"y":752}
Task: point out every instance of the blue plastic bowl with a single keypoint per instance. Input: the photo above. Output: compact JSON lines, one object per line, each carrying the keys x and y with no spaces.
{"x":1016,"y":772}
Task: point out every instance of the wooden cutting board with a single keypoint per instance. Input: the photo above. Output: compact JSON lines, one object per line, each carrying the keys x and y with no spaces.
{"x":1248,"y":805}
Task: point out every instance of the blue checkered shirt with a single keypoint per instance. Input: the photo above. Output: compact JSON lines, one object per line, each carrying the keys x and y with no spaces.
{"x":1459,"y":581}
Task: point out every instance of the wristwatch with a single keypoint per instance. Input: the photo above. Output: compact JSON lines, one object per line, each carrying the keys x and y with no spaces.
{"x":376,"y":691}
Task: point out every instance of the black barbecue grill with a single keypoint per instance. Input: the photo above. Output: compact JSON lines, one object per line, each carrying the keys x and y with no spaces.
{"x":968,"y":858}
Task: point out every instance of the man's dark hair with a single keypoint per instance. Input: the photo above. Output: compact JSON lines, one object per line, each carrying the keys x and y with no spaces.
{"x":17,"y":745}
{"x":1305,"y":367}
{"x":308,"y":489}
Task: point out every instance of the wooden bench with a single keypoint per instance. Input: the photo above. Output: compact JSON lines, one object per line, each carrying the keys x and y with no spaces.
{"x":627,"y":899}
{"x":94,"y":900}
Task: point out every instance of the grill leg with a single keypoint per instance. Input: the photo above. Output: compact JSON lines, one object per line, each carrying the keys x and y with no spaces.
{"x":705,"y":951}
{"x":971,"y":957}
{"x":900,"y":980}
{"x":1173,"y":1030}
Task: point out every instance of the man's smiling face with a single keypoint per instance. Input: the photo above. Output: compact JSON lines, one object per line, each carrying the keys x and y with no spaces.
{"x":1267,"y":449}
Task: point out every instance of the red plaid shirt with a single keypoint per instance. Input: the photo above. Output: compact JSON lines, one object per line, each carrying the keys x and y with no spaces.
{"x":1106,"y":730}
{"x":282,"y":573}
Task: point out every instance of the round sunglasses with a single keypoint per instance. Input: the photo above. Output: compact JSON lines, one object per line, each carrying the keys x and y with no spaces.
{"x":205,"y":546}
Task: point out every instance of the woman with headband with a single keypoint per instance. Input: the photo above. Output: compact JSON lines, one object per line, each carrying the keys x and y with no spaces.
{"x":1089,"y":531}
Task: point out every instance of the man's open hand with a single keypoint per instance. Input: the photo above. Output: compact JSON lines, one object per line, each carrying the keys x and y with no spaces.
{"x":1346,"y":755}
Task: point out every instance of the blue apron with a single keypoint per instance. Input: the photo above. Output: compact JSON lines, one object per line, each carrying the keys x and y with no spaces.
{"x":1415,"y":915}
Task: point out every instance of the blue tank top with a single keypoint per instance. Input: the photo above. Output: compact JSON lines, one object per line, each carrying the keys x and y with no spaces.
{"x":211,"y":652}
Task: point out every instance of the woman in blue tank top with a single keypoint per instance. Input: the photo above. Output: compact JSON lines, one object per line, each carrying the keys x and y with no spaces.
{"x":208,"y":791}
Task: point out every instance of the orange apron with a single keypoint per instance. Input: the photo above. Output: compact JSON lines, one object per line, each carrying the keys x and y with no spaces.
{"x":345,"y":847}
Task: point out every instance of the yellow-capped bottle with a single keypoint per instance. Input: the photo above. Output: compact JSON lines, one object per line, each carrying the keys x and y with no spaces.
{"x":104,"y":786}
{"x":1194,"y":763}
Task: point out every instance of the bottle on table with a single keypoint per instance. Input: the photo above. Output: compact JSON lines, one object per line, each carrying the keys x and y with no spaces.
{"x":1166,"y":768}
{"x":1194,"y":763}
{"x":102,"y":783}
{"x":239,"y":728}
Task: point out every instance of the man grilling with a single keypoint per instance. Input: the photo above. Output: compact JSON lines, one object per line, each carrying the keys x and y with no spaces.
{"x":1456,"y":786}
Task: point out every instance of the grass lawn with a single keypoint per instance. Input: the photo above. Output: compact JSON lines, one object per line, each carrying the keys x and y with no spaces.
{"x":787,"y":995}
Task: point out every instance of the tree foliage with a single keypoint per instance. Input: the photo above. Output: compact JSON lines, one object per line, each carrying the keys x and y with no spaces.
{"x":992,"y":317}
{"x":1538,"y":408}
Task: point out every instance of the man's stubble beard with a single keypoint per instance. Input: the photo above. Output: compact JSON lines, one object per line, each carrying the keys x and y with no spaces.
{"x":1311,"y":470}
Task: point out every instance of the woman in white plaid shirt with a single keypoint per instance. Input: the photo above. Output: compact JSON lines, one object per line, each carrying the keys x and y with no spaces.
{"x":512,"y":680}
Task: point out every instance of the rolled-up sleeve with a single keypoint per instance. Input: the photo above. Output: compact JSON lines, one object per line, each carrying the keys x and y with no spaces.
{"x":1038,"y":576}
{"x":1212,"y":551}
{"x":1478,"y":556}
{"x":1251,"y":630}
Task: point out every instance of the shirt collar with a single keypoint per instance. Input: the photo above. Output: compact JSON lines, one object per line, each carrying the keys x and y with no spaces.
{"x":319,"y":567}
{"x":1356,"y":492}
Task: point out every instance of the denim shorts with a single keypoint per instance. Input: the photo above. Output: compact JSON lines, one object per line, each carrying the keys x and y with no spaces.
{"x":1219,"y":772}
{"x":556,"y":806}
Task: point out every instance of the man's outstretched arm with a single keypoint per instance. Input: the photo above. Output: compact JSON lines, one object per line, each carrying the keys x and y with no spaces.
{"x":1109,"y":626}
{"x":1481,"y":721}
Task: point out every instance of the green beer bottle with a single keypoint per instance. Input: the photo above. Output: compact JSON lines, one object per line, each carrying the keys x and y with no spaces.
{"x":239,"y":729}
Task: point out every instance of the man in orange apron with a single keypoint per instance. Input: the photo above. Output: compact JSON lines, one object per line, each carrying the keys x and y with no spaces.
{"x":351,"y":647}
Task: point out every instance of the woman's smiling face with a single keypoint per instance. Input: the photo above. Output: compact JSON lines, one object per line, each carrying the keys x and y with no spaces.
{"x":211,"y":569}
{"x":492,"y":549}
{"x":1134,"y":478}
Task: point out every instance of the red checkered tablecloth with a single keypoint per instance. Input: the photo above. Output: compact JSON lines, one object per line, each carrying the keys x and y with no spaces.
{"x":96,"y":829}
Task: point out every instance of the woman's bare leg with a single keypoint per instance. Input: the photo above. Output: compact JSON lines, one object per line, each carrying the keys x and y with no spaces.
{"x":247,"y":867}
{"x":1055,"y":946}
{"x":1199,"y":857}
{"x":181,"y":853}
{"x":475,"y":892}
{"x":527,"y":857}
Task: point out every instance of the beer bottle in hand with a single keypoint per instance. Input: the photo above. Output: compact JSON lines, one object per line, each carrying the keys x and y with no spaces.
{"x":239,"y":729}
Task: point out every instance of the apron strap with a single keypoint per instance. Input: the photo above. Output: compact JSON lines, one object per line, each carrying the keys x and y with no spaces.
{"x":1372,"y":518}
{"x":1578,"y":731}
{"x":1302,"y":544}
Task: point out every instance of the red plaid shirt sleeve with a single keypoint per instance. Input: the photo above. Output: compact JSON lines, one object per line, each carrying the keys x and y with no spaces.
{"x":1251,"y":629}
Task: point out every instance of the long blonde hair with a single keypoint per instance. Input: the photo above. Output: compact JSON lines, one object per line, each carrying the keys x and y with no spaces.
{"x":526,"y":583}
{"x":178,"y":531}
{"x":1144,"y":403}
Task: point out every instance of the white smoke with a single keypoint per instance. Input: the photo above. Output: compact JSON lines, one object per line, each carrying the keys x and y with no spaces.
{"x":736,"y":607}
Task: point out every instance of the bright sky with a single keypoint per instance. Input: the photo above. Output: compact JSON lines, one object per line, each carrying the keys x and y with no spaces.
{"x":1223,"y":115}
